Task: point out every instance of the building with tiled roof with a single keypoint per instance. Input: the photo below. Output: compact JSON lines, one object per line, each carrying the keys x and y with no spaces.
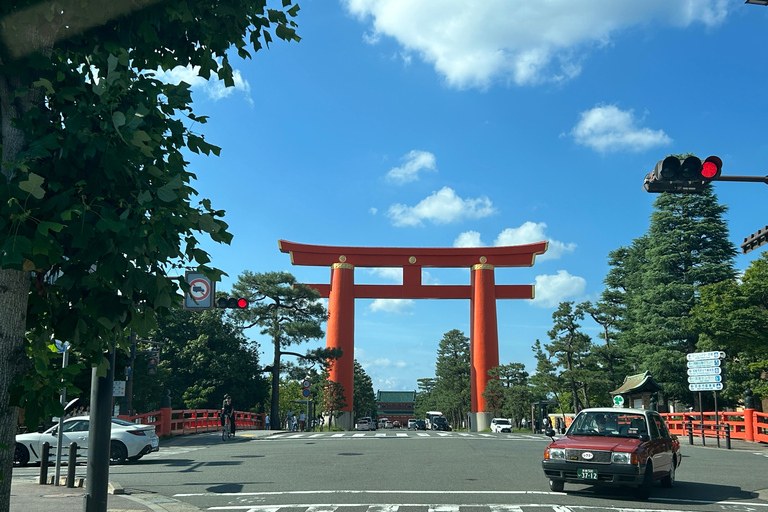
{"x":396,"y":405}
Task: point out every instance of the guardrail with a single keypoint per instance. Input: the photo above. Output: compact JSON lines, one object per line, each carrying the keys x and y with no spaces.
{"x":178,"y":422}
{"x":749,"y":424}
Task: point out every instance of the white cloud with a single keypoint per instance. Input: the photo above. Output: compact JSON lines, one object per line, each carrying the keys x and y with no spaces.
{"x":606,"y":129}
{"x":214,"y":87}
{"x":397,"y":306}
{"x":373,"y":211}
{"x":528,"y":233}
{"x":415,"y":161}
{"x":532,"y":232}
{"x":474,"y":44}
{"x":551,"y":290}
{"x":468,"y":239}
{"x":394,"y":274}
{"x":442,"y":207}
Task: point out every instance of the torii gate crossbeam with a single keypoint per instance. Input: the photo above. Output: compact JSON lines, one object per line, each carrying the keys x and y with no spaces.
{"x":482,"y":293}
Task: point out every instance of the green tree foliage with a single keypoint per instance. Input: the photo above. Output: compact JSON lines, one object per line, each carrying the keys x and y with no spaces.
{"x":95,"y":185}
{"x":732,"y":316}
{"x":657,"y":281}
{"x":364,"y":399}
{"x":287,"y":312}
{"x":548,"y":380}
{"x":452,"y":371}
{"x":333,"y":400}
{"x":509,"y":393}
{"x":204,"y":355}
{"x":425,"y":400}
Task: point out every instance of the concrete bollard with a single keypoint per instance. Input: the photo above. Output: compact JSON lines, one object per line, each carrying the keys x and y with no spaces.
{"x":44,"y":463}
{"x":71,"y":464}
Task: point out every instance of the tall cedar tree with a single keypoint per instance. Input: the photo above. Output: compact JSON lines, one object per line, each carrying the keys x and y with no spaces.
{"x":686,"y":247}
{"x":287,"y":312}
{"x":95,"y":188}
{"x":364,"y":398}
{"x":452,"y":371}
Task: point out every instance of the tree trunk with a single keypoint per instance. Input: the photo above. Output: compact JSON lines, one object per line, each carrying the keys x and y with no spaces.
{"x":14,"y":293}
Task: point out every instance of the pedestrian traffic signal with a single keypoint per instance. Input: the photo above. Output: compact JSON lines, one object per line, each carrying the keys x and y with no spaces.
{"x":688,"y":175}
{"x":152,"y":359}
{"x":232,"y":303}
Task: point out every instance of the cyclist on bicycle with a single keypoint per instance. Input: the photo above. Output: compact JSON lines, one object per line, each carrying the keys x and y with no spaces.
{"x":228,"y":410}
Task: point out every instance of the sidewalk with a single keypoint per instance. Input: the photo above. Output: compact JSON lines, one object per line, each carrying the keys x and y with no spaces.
{"x":27,"y":495}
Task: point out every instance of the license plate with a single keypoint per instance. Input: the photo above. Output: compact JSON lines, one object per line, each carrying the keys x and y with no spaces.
{"x":586,"y":474}
{"x":154,"y":443}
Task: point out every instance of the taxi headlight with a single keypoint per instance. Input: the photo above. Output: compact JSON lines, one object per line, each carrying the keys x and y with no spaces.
{"x":555,"y":454}
{"x":621,"y":458}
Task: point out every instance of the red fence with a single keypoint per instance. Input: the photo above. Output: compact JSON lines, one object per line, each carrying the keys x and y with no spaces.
{"x":191,"y":421}
{"x":749,"y":424}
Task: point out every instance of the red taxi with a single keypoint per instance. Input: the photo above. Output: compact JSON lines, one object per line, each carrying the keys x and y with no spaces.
{"x":612,"y":446}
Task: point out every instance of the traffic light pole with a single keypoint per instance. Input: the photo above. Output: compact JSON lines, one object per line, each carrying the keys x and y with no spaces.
{"x":752,"y":179}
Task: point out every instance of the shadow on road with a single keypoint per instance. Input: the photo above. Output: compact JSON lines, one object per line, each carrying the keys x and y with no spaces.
{"x":691,"y":491}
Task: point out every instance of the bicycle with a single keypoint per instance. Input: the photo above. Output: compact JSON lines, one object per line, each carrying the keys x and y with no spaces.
{"x":226,"y":429}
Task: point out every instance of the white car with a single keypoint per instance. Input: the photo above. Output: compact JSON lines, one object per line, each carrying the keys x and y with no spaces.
{"x":129,"y":441}
{"x":501,"y":425}
{"x":363,"y":425}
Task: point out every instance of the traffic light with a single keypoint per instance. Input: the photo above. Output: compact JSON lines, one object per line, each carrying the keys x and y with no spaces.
{"x":152,"y":359}
{"x":688,"y":175}
{"x":755,"y":240}
{"x":232,"y":303}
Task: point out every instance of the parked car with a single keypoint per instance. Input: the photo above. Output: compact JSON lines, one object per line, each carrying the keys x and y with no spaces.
{"x":411,"y":424}
{"x":371,"y":422}
{"x":501,"y":425}
{"x":420,"y":425}
{"x":396,"y":424}
{"x":610,"y":446}
{"x":363,"y":425}
{"x":440,"y":423}
{"x":388,"y":424}
{"x":129,"y":441}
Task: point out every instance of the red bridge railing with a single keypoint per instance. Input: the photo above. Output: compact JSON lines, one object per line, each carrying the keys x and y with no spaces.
{"x":192,"y":421}
{"x":749,"y":424}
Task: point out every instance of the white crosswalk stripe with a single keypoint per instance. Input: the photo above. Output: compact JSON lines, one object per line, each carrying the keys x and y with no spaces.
{"x":405,"y":435}
{"x":420,"y":507}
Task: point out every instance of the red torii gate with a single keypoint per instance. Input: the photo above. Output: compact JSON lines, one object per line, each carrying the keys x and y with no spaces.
{"x":482,"y":294}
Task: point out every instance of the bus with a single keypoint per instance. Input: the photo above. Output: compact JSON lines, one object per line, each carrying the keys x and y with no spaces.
{"x":430,"y":415}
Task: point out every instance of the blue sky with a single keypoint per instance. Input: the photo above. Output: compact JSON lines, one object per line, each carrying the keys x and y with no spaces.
{"x":452,"y":123}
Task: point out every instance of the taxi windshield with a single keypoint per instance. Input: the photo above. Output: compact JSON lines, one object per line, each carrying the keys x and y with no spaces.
{"x":601,"y":423}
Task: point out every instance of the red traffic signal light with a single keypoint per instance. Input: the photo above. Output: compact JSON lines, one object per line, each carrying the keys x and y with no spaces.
{"x":232,"y":303}
{"x":711,"y":168}
{"x":687,"y":175}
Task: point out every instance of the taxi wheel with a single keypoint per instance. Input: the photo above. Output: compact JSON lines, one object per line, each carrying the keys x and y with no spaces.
{"x":644,"y":490}
{"x":669,"y":480}
{"x":556,"y":485}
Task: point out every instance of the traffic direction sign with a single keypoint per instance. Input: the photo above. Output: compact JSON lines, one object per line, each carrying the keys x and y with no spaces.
{"x":704,"y":363}
{"x":697,"y":356}
{"x":706,"y":386}
{"x":698,"y":379}
{"x":705,"y":371}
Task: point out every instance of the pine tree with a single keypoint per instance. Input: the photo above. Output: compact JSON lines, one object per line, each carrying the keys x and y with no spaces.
{"x":657,"y":282}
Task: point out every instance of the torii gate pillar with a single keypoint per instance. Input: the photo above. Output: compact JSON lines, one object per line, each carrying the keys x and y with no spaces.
{"x":483,"y":341}
{"x":341,"y":334}
{"x":482,"y":294}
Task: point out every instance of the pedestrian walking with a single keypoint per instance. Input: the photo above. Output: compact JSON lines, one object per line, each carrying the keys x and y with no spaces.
{"x":266,"y":422}
{"x":302,"y":421}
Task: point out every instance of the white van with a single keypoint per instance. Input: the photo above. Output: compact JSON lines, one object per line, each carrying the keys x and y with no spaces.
{"x":430,"y":415}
